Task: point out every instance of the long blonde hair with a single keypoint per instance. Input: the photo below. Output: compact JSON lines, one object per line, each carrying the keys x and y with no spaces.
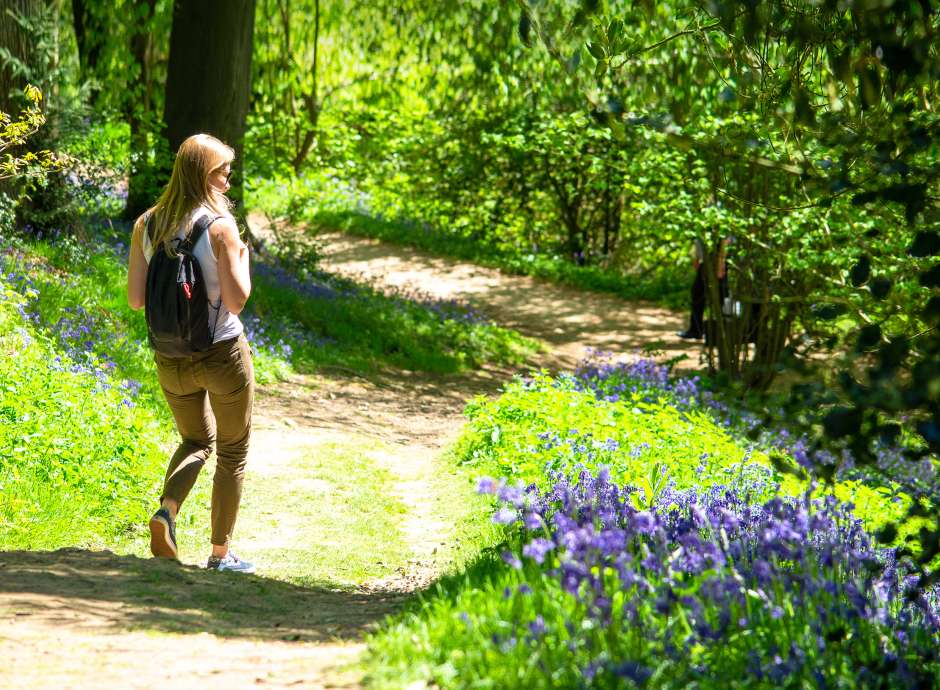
{"x":188,"y":188}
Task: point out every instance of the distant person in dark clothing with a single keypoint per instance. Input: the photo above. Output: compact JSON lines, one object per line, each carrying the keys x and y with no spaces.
{"x":696,"y":329}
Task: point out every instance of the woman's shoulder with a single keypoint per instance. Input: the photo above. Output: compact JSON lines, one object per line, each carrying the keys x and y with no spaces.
{"x":223,"y":230}
{"x":141,"y":225}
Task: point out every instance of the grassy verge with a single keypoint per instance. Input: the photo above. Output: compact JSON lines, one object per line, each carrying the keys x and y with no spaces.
{"x":330,"y":321}
{"x":80,"y":455}
{"x":644,"y":440}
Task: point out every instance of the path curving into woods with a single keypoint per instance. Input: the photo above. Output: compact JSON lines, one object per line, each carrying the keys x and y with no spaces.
{"x":566,"y":319}
{"x":94,"y":619}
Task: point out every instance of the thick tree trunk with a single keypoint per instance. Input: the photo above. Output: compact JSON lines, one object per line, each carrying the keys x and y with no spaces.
{"x":139,"y":193}
{"x":15,"y":39}
{"x":209,"y":74}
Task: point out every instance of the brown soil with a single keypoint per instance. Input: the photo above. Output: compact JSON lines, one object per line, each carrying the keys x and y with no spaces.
{"x":568,"y":320}
{"x":93,"y":619}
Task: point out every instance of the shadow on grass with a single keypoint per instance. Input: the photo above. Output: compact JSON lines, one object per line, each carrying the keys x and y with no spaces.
{"x":103,"y":590}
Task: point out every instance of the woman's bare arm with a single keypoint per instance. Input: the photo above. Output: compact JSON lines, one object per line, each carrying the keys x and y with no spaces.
{"x":232,"y":254}
{"x":136,"y":270}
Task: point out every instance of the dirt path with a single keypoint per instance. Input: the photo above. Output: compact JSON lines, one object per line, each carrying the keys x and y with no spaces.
{"x":566,"y":319}
{"x":93,"y":619}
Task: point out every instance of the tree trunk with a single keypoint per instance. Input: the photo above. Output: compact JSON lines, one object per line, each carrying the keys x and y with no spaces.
{"x":209,"y":74}
{"x":16,"y":39}
{"x":137,"y":110}
{"x":89,"y":49}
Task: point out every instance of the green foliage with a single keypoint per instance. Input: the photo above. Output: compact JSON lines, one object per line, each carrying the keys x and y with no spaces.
{"x":473,"y":625}
{"x":475,"y":634}
{"x":532,"y":426}
{"x":76,"y":468}
{"x":98,"y":151}
{"x":16,"y":133}
{"x":642,"y":437}
{"x":816,"y":126}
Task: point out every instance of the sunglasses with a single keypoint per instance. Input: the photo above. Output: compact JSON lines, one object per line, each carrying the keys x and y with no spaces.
{"x":228,"y":175}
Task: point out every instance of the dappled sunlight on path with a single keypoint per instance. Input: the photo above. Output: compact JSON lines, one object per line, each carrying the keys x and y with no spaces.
{"x":78,"y":618}
{"x":568,"y":319}
{"x":68,"y":619}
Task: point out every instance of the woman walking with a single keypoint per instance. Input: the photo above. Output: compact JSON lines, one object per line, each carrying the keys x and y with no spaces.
{"x":188,"y":262}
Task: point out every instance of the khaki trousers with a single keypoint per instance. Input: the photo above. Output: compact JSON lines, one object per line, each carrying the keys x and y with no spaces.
{"x":211,"y":395}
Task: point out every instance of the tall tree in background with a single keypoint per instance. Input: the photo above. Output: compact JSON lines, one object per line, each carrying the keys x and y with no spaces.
{"x":139,"y":110}
{"x":17,"y":59}
{"x":209,"y":74}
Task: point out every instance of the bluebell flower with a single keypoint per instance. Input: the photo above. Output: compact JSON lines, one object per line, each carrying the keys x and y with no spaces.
{"x":537,"y":549}
{"x":486,"y":485}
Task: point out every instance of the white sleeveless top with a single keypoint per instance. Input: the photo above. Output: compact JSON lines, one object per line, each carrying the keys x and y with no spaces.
{"x":226,"y":324}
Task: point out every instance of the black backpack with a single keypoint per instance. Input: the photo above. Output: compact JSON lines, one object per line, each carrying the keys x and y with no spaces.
{"x":176,"y":301}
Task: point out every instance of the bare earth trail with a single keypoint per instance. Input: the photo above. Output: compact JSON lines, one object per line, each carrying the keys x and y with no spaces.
{"x":84,"y":619}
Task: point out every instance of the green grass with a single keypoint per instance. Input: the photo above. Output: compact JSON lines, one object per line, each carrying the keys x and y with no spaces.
{"x":334,"y":322}
{"x":76,"y":468}
{"x":507,"y":438}
{"x":432,"y":644}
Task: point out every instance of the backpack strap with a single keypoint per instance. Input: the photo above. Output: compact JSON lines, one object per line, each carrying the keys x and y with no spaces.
{"x":200,"y":227}
{"x":148,"y":228}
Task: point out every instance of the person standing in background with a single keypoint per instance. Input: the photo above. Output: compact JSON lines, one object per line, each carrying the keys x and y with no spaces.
{"x":696,"y":329}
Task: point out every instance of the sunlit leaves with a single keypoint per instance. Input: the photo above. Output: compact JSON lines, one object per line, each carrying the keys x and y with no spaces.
{"x":17,"y":132}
